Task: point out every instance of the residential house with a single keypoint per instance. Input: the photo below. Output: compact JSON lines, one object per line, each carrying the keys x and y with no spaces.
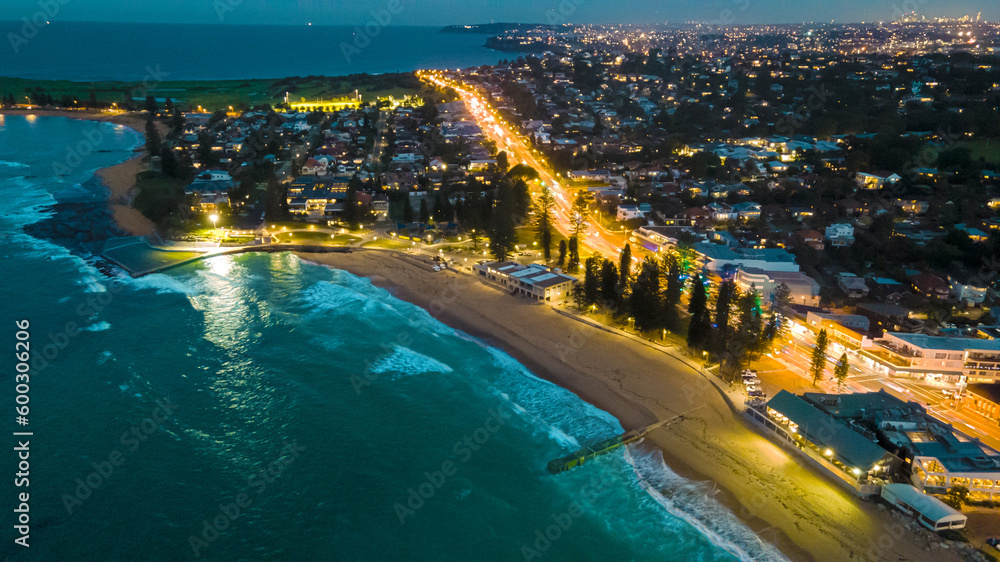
{"x":628,"y":212}
{"x":853,"y":286}
{"x":810,"y":238}
{"x":930,"y":285}
{"x":840,"y":235}
{"x":967,"y":289}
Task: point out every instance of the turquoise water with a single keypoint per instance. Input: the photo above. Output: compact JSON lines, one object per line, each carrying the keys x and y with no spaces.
{"x":382,"y":434}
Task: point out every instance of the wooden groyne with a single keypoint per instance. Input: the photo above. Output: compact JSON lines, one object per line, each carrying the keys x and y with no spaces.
{"x":581,"y":456}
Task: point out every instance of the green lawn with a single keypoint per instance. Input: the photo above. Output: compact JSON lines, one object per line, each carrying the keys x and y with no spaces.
{"x":219,"y":94}
{"x":387,"y":243}
{"x":988,"y":149}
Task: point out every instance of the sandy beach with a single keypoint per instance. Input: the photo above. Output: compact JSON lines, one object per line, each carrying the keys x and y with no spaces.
{"x":803,"y":514}
{"x":119,"y":179}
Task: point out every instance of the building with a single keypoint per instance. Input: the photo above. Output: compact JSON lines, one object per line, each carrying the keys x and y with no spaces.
{"x":534,"y":281}
{"x":311,"y":194}
{"x":848,"y":330}
{"x":835,"y":445}
{"x":983,"y":398}
{"x":853,"y":286}
{"x":716,"y":257}
{"x":875,"y":437}
{"x":927,"y":510}
{"x":930,"y":285}
{"x":967,"y":290}
{"x":938,"y":358}
{"x":840,"y":235}
{"x":655,"y":238}
{"x":804,"y":290}
{"x":628,"y":212}
{"x":873,"y":181}
{"x":884,"y":316}
{"x":207,"y":196}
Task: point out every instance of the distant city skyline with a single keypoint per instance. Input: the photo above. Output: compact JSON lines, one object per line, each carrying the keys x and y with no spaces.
{"x":463,"y":12}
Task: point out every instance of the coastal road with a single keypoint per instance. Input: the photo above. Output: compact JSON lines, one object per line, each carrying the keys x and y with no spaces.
{"x":598,"y":238}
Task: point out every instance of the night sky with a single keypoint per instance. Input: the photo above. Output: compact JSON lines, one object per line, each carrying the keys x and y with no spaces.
{"x":445,"y":12}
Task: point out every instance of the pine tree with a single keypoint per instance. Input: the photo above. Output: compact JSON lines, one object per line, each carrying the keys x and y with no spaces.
{"x":580,"y":204}
{"x":624,"y":270}
{"x":501,"y":232}
{"x":591,"y":278}
{"x":544,"y":220}
{"x":723,"y":303}
{"x":818,"y":363}
{"x":152,"y":137}
{"x":609,"y":282}
{"x":425,"y":215}
{"x":574,"y":255}
{"x":562,"y":253}
{"x":698,"y":308}
{"x":644,"y":299}
{"x":672,"y":293}
{"x":407,"y":210}
{"x":841,"y":370}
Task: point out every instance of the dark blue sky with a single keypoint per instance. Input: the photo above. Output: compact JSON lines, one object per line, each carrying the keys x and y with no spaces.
{"x":443,"y":12}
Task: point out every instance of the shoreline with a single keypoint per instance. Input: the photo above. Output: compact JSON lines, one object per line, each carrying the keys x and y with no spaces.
{"x":801,"y":513}
{"x":120,"y":179}
{"x":786,"y":504}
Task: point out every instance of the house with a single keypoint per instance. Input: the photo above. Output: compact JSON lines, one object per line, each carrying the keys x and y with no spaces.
{"x":853,"y":286}
{"x":840,"y":235}
{"x":810,"y":238}
{"x":207,"y":196}
{"x":314,"y":167}
{"x":930,"y":285}
{"x":214,"y":175}
{"x":913,"y":206}
{"x":873,"y":181}
{"x":721,"y":212}
{"x":967,"y":289}
{"x":628,"y":212}
{"x":747,"y":211}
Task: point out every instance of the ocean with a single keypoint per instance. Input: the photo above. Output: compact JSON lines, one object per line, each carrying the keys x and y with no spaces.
{"x":134,"y":52}
{"x":258,"y":407}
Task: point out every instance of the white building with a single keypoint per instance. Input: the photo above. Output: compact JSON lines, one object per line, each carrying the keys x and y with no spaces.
{"x":936,"y":357}
{"x":629,"y":212}
{"x":534,"y":281}
{"x":804,"y":289}
{"x":840,"y":234}
{"x":968,"y":292}
{"x":717,"y":257}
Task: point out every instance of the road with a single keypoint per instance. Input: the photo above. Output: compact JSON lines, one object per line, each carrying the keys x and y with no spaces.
{"x":798,"y":355}
{"x":597,"y":238}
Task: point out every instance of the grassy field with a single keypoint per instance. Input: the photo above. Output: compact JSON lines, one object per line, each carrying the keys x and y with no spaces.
{"x":988,"y":149}
{"x":215,"y":95}
{"x":388,"y":243}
